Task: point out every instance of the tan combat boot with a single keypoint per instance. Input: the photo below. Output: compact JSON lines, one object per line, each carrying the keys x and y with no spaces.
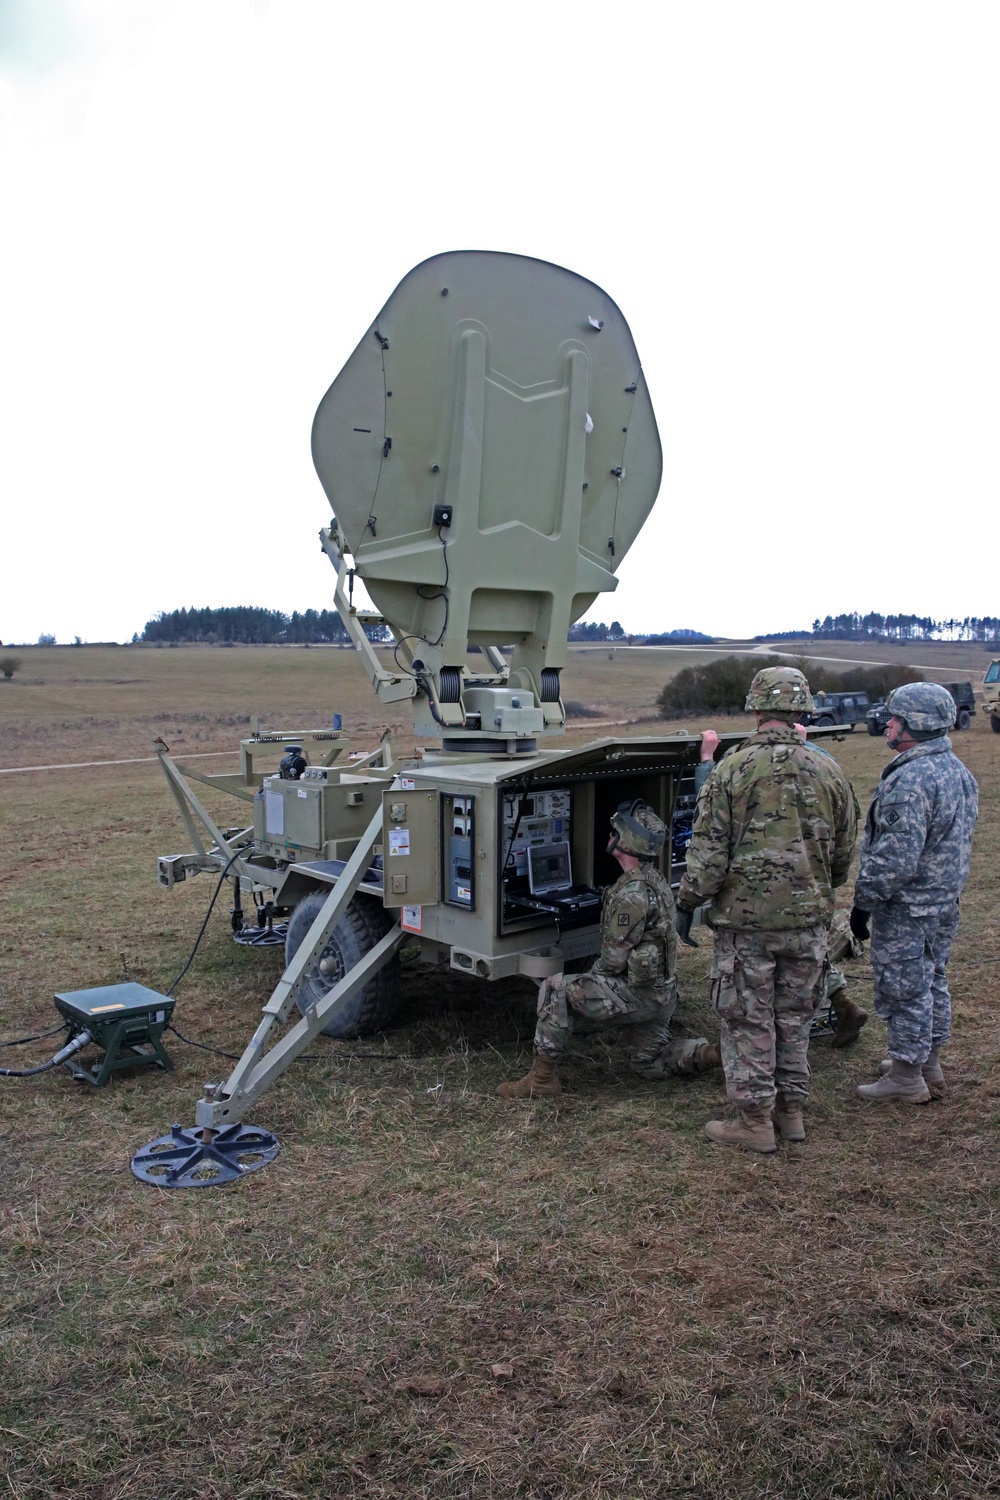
{"x":753,"y":1130}
{"x":788,"y":1118}
{"x":540,"y":1082}
{"x":850,"y":1018}
{"x":931,"y":1070}
{"x":904,"y":1081}
{"x":708,"y":1055}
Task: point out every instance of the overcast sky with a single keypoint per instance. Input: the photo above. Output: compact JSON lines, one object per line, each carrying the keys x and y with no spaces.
{"x":795,"y":205}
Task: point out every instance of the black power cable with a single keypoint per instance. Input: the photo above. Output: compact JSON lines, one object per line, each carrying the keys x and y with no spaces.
{"x":308,"y":1056}
{"x":28,"y":1072}
{"x":215,"y":896}
{"x":441,"y":593}
{"x":40,"y":1037}
{"x":77,"y":1044}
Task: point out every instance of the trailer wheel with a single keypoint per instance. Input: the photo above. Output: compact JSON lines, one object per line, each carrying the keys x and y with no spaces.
{"x":355,"y":934}
{"x":995,"y":723}
{"x":964,"y":719}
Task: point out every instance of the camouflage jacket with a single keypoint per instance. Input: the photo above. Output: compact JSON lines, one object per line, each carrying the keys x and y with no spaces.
{"x":917,"y":841}
{"x":638,"y":941}
{"x":773,"y":836}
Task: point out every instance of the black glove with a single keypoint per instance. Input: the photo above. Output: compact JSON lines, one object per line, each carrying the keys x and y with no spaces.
{"x":859,"y":923}
{"x":682,"y":927}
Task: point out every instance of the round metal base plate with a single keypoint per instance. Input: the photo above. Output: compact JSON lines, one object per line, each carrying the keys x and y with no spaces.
{"x":183,"y":1159}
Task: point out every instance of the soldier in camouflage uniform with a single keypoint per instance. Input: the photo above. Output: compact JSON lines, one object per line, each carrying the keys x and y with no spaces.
{"x":915,"y":856}
{"x":772,"y":839}
{"x":842,"y":943}
{"x":632,"y":983}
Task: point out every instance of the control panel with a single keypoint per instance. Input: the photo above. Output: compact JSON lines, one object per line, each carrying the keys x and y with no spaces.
{"x":533,"y":818}
{"x":681,"y":825}
{"x":536,"y":861}
{"x":459,"y":837}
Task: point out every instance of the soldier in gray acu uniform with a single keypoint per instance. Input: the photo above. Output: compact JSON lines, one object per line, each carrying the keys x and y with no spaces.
{"x":632,"y":983}
{"x":915,"y":856}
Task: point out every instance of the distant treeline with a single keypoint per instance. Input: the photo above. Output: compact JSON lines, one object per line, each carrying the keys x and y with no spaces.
{"x":269,"y":627}
{"x":592,"y":632}
{"x":721,"y":686}
{"x":248,"y":626}
{"x":614,"y":632}
{"x":251,"y":626}
{"x":876,"y":627}
{"x":670,"y":637}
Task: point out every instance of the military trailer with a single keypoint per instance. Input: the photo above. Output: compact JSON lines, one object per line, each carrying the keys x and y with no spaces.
{"x":965,"y":706}
{"x":991,"y":694}
{"x":490,"y":453}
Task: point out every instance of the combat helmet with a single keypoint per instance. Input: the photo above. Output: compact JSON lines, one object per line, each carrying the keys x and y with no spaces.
{"x":638,"y":830}
{"x":926,"y":708}
{"x":783,"y":689}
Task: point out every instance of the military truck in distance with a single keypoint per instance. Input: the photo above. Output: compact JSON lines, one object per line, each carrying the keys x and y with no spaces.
{"x":965,"y":707}
{"x":839,"y":708}
{"x":991,"y":694}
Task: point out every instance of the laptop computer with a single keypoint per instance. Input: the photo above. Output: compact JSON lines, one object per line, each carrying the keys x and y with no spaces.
{"x":549,"y":868}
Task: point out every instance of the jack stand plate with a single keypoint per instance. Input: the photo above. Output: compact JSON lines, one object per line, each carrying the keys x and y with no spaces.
{"x":824,"y":1022}
{"x":183,"y":1159}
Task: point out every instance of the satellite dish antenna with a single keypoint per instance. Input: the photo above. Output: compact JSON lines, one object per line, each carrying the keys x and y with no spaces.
{"x":490,"y":454}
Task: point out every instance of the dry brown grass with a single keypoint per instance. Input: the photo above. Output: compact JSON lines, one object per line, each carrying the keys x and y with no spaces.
{"x":430,"y":1292}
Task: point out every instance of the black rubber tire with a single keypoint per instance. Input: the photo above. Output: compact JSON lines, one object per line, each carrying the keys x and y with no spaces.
{"x":995,"y":723}
{"x":964,"y":719}
{"x":824,"y":721}
{"x":359,"y":929}
{"x":873,"y":728}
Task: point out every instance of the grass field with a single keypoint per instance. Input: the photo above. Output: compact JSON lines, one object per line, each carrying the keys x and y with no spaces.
{"x":431,"y":1293}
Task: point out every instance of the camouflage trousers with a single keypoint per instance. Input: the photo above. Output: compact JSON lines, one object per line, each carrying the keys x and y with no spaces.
{"x":842,"y":944}
{"x":765,"y":987}
{"x":833,"y":981}
{"x":605,"y":999}
{"x":909,"y":957}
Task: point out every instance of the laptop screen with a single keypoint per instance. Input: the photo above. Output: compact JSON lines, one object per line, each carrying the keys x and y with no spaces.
{"x":549,"y":868}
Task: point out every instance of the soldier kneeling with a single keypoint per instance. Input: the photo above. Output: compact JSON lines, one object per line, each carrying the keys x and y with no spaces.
{"x":633,"y":981}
